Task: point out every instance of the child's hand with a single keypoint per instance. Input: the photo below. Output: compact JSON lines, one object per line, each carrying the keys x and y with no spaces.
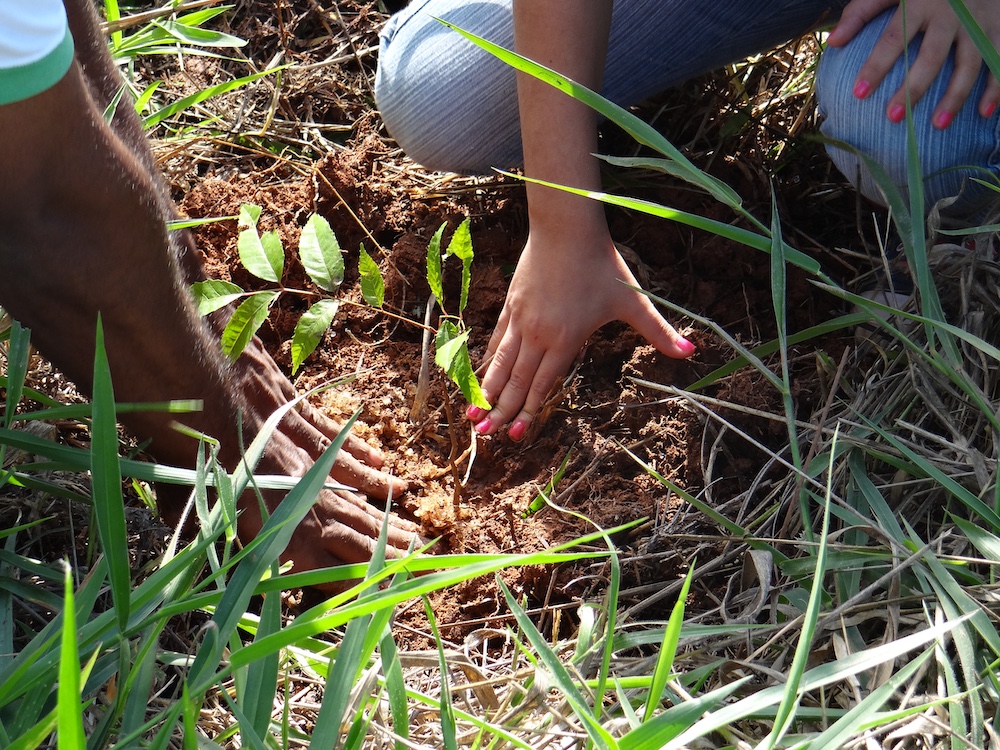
{"x":941,"y":31}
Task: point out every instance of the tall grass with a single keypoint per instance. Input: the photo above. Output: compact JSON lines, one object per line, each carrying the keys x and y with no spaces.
{"x":874,"y":560}
{"x":920,"y":419}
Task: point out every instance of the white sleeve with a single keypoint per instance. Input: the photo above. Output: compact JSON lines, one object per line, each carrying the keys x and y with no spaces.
{"x":30,"y":30}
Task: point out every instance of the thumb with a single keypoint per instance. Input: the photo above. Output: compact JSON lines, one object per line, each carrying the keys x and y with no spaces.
{"x":659,"y":333}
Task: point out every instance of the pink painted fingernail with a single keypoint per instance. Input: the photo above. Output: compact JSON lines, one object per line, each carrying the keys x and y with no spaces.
{"x":862,"y":89}
{"x":897,"y":112}
{"x":517,"y":430}
{"x":990,"y":109}
{"x":483,"y":427}
{"x":943,"y":119}
{"x":475,"y":413}
{"x":686,"y":347}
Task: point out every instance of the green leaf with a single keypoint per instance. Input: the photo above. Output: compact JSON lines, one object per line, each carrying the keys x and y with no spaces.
{"x":321,"y":255}
{"x":434,"y":278}
{"x":451,"y":352}
{"x":198,"y":37}
{"x":263,"y":256}
{"x":249,"y":216}
{"x":275,"y":254}
{"x":310,"y":329}
{"x":461,"y":247}
{"x":214,"y":294}
{"x":246,"y":321}
{"x":109,"y":504}
{"x":372,"y":285}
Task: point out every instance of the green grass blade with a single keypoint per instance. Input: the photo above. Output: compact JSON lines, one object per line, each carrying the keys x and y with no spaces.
{"x":36,"y":736}
{"x":655,"y":733}
{"x":840,"y":323}
{"x":268,"y":545}
{"x":983,"y":43}
{"x":814,"y":679}
{"x":109,"y":503}
{"x":112,"y":13}
{"x":449,"y":731}
{"x":668,"y":648}
{"x":342,"y":675}
{"x":949,"y":484}
{"x":778,"y":302}
{"x":7,"y":606}
{"x":641,"y":131}
{"x":864,"y":714}
{"x":134,"y":694}
{"x":710,"y":512}
{"x":395,"y":685}
{"x":552,"y":664}
{"x":190,"y":34}
{"x":69,"y":720}
{"x":180,"y":105}
{"x":803,"y":650}
{"x":18,"y":353}
{"x":758,"y":241}
{"x":262,"y":674}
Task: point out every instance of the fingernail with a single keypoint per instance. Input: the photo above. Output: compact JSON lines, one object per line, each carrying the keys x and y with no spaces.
{"x":943,"y":119}
{"x":990,"y":109}
{"x":862,"y":89}
{"x":686,"y":347}
{"x":483,"y":427}
{"x":475,"y":413}
{"x":517,"y":430}
{"x":897,"y":112}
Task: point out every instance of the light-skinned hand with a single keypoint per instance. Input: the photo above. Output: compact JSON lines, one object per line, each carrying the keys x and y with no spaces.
{"x":552,"y":308}
{"x":941,"y":31}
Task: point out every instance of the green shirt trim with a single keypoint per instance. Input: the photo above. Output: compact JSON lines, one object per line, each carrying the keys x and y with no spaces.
{"x":26,"y":81}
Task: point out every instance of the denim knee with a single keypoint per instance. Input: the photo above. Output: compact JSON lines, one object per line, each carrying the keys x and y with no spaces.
{"x":950,"y":158}
{"x":450,"y":105}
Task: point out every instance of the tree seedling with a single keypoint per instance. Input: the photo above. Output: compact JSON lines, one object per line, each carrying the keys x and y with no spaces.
{"x":263,"y":255}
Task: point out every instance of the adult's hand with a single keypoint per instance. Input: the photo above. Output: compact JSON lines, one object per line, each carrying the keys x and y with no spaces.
{"x":265,"y":389}
{"x":341,"y":526}
{"x":941,"y":31}
{"x":106,"y":239}
{"x":559,"y":296}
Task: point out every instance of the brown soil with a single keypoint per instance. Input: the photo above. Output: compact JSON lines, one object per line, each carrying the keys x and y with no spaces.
{"x":371,"y":194}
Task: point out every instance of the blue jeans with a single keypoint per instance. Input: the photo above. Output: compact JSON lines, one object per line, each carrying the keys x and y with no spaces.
{"x":968,"y":148}
{"x":453,"y":107}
